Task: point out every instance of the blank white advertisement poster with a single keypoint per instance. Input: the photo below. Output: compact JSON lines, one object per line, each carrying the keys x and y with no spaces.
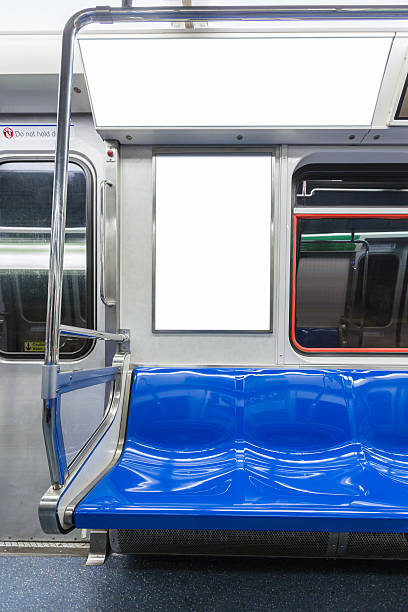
{"x":212,"y":243}
{"x":241,"y":82}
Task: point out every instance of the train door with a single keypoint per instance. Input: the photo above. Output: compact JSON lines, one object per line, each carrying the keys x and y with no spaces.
{"x":26,"y":180}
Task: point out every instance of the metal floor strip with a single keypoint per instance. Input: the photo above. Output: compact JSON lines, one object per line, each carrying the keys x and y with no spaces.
{"x":74,"y":549}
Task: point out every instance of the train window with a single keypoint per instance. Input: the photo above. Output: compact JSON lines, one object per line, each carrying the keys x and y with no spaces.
{"x":350,"y":283}
{"x":212,"y":243}
{"x":354,"y":185}
{"x":25,"y":220}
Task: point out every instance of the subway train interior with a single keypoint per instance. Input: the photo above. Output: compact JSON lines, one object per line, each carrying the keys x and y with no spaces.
{"x":204,"y":282}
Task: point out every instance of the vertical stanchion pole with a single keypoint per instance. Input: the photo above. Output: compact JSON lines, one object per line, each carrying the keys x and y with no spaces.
{"x":56,"y":264}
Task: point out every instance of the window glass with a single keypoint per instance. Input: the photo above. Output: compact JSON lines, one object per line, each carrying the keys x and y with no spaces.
{"x":352,"y":185}
{"x":213,"y":243}
{"x":77,"y":424}
{"x":25,"y":221}
{"x":350,"y":285}
{"x":374,"y":299}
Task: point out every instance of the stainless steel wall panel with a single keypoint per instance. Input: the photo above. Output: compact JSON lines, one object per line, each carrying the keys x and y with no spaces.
{"x":24,"y":475}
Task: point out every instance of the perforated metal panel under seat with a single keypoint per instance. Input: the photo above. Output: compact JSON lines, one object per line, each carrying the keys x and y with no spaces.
{"x":219,"y":542}
{"x":376,"y":545}
{"x":259,"y":543}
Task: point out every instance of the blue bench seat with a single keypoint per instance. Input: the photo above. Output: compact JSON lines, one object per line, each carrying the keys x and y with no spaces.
{"x":321,"y":450}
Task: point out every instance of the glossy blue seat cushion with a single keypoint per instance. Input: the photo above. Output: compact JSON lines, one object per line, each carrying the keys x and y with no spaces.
{"x":259,"y":448}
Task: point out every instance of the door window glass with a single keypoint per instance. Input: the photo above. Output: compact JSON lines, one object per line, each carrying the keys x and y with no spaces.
{"x":25,"y":221}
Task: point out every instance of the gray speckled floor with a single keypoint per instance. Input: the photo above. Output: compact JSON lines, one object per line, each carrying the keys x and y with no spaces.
{"x":202,"y":584}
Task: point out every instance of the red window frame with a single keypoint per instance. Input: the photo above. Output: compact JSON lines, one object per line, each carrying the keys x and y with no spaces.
{"x":295,"y":343}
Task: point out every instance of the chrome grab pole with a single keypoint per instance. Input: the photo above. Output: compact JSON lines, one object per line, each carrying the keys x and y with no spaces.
{"x":107,"y":301}
{"x":59,"y":198}
{"x":92,"y":334}
{"x":50,"y":418}
{"x":140,"y":15}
